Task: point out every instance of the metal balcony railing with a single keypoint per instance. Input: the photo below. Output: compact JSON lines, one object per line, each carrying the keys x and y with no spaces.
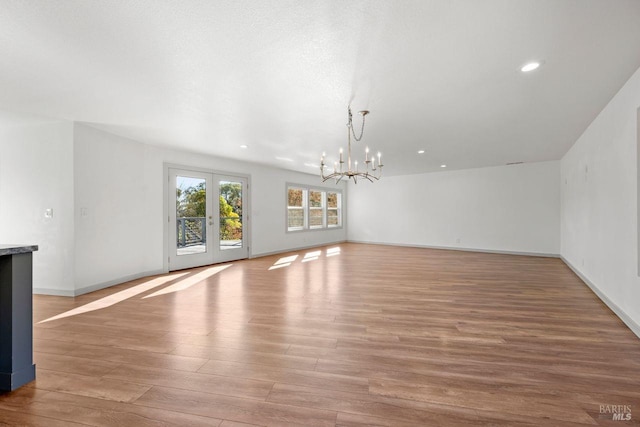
{"x":192,"y":231}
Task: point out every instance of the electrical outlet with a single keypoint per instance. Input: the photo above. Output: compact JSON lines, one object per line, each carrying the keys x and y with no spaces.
{"x":48,"y":213}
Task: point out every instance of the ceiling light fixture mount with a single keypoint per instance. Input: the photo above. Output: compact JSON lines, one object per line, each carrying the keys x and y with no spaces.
{"x":371,"y":172}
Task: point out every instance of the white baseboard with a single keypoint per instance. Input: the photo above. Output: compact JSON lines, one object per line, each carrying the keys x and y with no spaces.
{"x":54,"y":292}
{"x":453,"y":248}
{"x":632,"y":324}
{"x":95,"y":287}
{"x":98,"y":286}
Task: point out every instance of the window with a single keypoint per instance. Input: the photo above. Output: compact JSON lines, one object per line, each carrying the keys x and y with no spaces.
{"x":313,"y":208}
{"x":295,"y":209}
{"x":316,"y":209}
{"x":333,"y":209}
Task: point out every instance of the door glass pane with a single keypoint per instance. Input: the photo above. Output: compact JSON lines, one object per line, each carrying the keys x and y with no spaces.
{"x":230,"y":215}
{"x":191,"y":226}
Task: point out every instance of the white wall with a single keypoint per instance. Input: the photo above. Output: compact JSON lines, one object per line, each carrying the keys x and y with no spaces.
{"x":119,"y":184}
{"x":512,"y":208}
{"x":36,"y":173}
{"x":118,"y":231}
{"x":599,"y":205}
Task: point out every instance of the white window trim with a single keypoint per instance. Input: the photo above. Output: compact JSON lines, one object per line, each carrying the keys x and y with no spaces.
{"x":307,"y":209}
{"x":305,"y":219}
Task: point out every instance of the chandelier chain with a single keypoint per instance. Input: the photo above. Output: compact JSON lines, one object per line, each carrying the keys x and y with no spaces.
{"x":350,"y":125}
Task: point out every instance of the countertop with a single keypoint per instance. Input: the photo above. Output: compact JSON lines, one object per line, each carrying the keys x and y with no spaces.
{"x":17,"y":249}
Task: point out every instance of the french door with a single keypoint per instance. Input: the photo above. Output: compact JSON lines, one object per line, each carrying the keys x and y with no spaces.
{"x":207,"y":221}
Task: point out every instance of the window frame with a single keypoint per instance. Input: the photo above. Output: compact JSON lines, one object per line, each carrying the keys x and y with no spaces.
{"x":305,"y":222}
{"x":322,"y":208}
{"x":307,"y":208}
{"x":338,"y":209}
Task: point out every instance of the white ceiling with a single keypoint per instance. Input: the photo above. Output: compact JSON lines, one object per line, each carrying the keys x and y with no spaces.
{"x":438,"y":75}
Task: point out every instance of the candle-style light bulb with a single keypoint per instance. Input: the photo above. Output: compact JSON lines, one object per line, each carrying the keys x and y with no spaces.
{"x":335,"y":167}
{"x":366,"y":154}
{"x":373,"y":163}
{"x":356,"y":166}
{"x":379,"y":157}
{"x":341,"y":155}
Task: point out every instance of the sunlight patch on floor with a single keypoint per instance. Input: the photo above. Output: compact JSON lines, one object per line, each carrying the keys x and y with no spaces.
{"x":333,"y":251}
{"x":284,"y":262}
{"x":189,"y":281}
{"x":117,"y":297}
{"x":309,"y":256}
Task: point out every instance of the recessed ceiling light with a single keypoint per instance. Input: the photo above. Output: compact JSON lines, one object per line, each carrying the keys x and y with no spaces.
{"x":311,"y":165}
{"x":530,"y":66}
{"x":284,"y":159}
{"x":244,"y":146}
{"x":443,"y":166}
{"x":420,"y":151}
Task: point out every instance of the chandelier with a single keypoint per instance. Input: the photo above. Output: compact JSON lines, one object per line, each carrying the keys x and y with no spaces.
{"x":370,"y":172}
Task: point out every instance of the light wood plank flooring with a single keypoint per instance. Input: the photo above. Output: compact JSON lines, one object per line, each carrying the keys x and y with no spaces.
{"x":346,"y":335}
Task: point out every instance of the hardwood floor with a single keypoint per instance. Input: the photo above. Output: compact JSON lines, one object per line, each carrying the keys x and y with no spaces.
{"x":354,"y":336}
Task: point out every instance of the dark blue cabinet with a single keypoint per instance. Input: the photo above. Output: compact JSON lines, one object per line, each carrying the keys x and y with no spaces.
{"x":16,"y":316}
